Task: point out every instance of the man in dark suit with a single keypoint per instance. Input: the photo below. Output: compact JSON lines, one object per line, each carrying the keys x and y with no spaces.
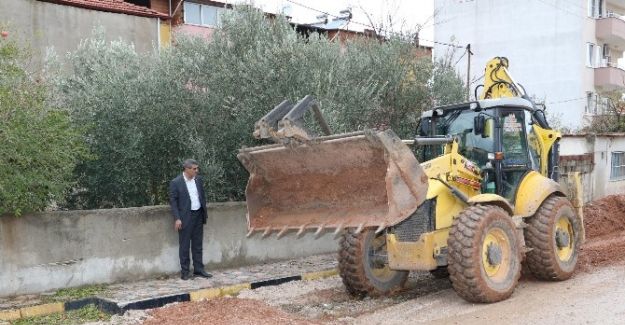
{"x":188,"y":205}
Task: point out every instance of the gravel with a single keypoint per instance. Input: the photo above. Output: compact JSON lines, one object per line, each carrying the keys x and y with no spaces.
{"x":131,"y":317}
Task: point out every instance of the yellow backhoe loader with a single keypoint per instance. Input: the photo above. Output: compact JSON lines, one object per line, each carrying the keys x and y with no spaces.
{"x":485,"y":199}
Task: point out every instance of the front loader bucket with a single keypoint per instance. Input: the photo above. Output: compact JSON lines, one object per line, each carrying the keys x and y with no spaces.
{"x":365,"y":179}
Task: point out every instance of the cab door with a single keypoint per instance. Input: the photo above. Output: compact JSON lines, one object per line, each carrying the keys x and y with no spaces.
{"x":516,"y":160}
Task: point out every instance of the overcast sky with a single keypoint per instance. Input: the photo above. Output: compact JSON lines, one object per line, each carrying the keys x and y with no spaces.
{"x":406,"y":15}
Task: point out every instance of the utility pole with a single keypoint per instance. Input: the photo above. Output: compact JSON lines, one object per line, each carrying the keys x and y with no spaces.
{"x":469,"y":71}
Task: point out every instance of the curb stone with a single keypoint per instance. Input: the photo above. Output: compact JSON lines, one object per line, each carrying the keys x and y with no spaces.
{"x":31,"y":311}
{"x":112,"y":307}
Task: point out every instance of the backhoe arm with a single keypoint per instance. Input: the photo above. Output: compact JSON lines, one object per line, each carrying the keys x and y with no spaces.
{"x":498,"y":82}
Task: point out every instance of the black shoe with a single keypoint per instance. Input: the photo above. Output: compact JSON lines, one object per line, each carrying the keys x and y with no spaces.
{"x":185,"y":276}
{"x":203,"y":274}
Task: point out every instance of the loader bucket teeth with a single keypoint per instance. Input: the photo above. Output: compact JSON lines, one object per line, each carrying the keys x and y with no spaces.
{"x":356,"y":180}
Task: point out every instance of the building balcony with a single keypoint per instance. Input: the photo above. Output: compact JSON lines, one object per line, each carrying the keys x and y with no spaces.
{"x":608,"y":78}
{"x":611,"y":29}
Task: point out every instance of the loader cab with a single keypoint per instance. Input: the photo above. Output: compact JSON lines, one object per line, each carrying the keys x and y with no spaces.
{"x":496,"y":134}
{"x":457,"y":121}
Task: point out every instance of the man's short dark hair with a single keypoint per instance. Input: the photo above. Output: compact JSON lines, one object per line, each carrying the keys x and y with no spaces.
{"x":188,"y":163}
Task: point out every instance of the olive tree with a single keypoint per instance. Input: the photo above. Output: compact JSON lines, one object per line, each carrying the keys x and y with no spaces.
{"x":145,"y":113}
{"x":39,"y":145}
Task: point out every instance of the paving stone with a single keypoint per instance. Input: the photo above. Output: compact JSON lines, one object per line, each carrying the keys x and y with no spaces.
{"x":134,"y":291}
{"x":128,"y":292}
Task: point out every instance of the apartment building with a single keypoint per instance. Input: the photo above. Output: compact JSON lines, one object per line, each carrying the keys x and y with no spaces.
{"x":566,"y":53}
{"x":198,"y":17}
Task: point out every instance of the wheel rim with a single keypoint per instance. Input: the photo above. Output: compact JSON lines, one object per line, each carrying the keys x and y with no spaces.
{"x":378,"y":258}
{"x":564,"y":238}
{"x":496,"y":254}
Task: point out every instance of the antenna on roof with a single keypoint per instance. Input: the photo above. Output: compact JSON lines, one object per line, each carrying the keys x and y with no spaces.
{"x":323,"y":19}
{"x":345,"y":14}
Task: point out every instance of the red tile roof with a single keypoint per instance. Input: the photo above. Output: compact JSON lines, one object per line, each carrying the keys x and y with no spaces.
{"x":117,"y":6}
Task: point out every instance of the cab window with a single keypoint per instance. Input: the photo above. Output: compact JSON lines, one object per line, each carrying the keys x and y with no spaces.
{"x":515,"y":153}
{"x":474,"y":147}
{"x":459,"y":123}
{"x":532,"y":142}
{"x":513,"y":140}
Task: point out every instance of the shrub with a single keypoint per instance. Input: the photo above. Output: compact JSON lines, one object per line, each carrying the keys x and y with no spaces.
{"x":39,"y":146}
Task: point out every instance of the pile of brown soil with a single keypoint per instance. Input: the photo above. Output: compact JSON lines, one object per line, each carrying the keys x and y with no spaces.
{"x":605,"y":216}
{"x":604,"y":222}
{"x":222,"y":311}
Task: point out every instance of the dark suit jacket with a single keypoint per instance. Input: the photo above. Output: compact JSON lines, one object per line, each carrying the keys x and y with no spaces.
{"x":180,"y":201}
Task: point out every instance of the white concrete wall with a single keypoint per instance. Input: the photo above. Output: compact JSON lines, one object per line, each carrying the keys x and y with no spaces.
{"x":601,"y":146}
{"x":604,"y":146}
{"x":52,"y":250}
{"x":575,"y":146}
{"x":544,"y":40}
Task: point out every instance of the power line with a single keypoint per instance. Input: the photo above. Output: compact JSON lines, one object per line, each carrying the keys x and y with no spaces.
{"x":423,"y":39}
{"x":370,"y":26}
{"x":431,"y":22}
{"x":460,"y":58}
{"x":442,"y":43}
{"x":566,"y":100}
{"x":311,"y":8}
{"x":476,"y":79}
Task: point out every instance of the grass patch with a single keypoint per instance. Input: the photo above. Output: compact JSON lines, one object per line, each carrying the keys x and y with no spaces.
{"x":75,"y":293}
{"x":79,"y":316}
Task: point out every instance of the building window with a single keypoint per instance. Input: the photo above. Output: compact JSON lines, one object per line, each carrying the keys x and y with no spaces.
{"x":590,"y":55}
{"x":618,"y":166}
{"x":204,"y":15}
{"x":210,"y":16}
{"x":603,"y":105}
{"x":595,"y":8}
{"x":597,"y":104}
{"x":192,"y":13}
{"x":591,"y":103}
{"x":605,"y":56}
{"x":591,"y":8}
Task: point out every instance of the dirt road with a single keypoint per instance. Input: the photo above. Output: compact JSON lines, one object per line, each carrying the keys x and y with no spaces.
{"x":589,"y":298}
{"x":595,"y":295}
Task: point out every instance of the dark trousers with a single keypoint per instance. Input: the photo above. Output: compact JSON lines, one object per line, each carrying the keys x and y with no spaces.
{"x":191,"y":235}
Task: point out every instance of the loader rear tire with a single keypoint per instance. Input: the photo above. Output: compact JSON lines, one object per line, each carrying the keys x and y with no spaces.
{"x":484,"y":254}
{"x":553,"y":234}
{"x":361,"y":267}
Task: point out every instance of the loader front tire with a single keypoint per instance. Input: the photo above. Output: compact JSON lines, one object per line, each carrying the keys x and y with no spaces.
{"x":363,"y":265}
{"x":553,"y":235}
{"x":484,"y":254}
